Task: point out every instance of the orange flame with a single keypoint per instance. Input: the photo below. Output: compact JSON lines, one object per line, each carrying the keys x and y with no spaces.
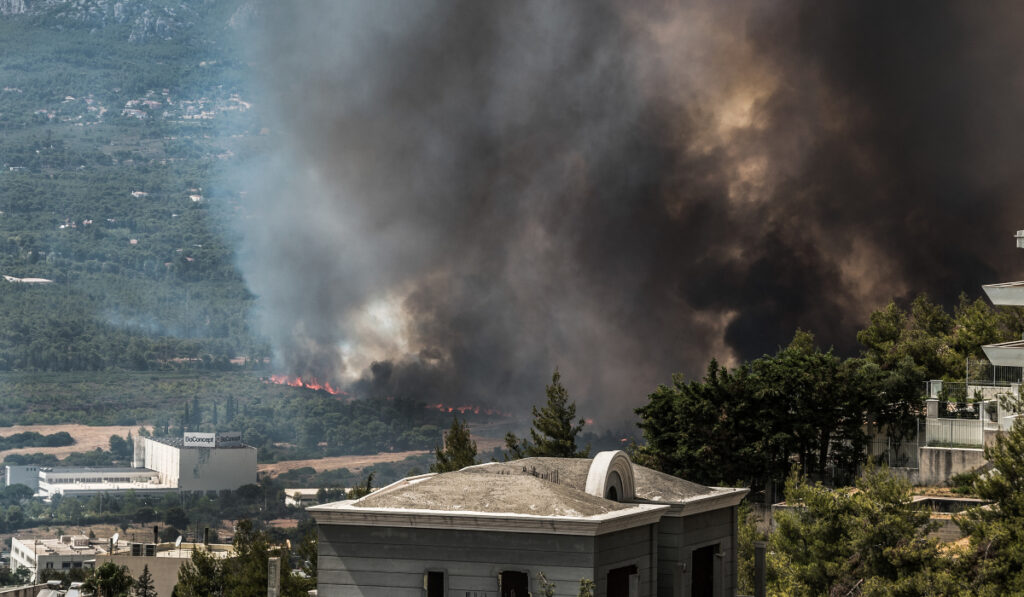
{"x":312,"y":384}
{"x":476,"y":410}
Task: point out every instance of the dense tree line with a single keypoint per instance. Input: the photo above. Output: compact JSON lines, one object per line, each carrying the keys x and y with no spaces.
{"x":32,"y":439}
{"x":806,"y":405}
{"x":282,"y":421}
{"x":142,"y":281}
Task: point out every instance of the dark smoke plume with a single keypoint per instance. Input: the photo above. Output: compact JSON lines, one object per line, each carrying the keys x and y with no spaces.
{"x":470,"y":193}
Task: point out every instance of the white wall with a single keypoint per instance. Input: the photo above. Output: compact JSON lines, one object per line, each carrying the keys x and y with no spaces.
{"x":214,"y":469}
{"x":25,"y":475}
{"x":163,"y":459}
{"x":202,"y":469}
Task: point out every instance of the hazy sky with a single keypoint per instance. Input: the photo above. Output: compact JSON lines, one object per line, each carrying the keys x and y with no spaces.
{"x":469,"y":194}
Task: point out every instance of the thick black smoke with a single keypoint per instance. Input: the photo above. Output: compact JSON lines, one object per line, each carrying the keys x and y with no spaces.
{"x":472,"y":193}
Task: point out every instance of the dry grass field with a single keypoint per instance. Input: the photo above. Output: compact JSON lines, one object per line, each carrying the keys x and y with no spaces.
{"x":356,"y":463}
{"x":87,"y":438}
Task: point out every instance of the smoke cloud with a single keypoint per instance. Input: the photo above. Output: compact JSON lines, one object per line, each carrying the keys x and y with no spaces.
{"x":469,"y":194}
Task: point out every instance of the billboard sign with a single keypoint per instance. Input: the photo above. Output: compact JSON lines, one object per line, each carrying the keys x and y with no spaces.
{"x":229,"y":438}
{"x":195,"y":439}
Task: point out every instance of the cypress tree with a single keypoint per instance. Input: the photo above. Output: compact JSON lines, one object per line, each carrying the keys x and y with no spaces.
{"x":144,"y":584}
{"x":459,"y":450}
{"x":554,"y":430}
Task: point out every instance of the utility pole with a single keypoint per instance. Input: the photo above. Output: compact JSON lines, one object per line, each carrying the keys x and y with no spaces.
{"x":274,"y":577}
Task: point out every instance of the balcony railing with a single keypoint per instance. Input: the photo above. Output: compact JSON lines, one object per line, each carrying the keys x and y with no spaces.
{"x":955,"y":433}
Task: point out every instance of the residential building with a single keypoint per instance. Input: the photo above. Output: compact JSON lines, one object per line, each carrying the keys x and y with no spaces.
{"x":163,"y":560}
{"x":64,"y":553}
{"x":1008,"y":354}
{"x":948,"y":443}
{"x":493,"y":529}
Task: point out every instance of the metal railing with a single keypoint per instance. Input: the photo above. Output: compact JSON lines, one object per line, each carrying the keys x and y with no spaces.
{"x":981,"y":371}
{"x":883,"y":449}
{"x":955,"y":433}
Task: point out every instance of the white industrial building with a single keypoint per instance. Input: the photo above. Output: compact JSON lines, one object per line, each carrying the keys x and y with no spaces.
{"x":86,"y":480}
{"x":198,"y":461}
{"x":194,"y":462}
{"x":65,"y":553}
{"x":22,"y":475}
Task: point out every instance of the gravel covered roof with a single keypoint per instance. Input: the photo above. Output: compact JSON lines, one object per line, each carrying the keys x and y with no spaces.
{"x":485,"y":491}
{"x":650,"y":484}
{"x":564,"y":471}
{"x":659,"y":487}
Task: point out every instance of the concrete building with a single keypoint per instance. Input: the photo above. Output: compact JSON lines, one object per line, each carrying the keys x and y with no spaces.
{"x":194,"y":462}
{"x":491,"y":529}
{"x":163,"y":560}
{"x":300,"y":497}
{"x":39,"y":590}
{"x":22,"y":475}
{"x":198,"y":461}
{"x":65,"y":553}
{"x":310,"y":496}
{"x":86,"y":481}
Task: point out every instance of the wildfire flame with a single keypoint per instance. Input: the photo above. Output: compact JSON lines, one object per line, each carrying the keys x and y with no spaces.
{"x":311,"y":384}
{"x":476,"y":410}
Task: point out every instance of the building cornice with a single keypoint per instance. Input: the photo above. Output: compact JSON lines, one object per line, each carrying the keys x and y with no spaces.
{"x":346,"y":513}
{"x":724,"y":497}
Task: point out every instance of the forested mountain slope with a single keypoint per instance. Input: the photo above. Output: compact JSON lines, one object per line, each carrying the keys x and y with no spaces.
{"x":116,"y":119}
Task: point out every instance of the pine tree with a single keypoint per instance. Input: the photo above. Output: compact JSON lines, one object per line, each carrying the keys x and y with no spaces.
{"x":554,"y":431}
{"x":144,"y":584}
{"x":459,"y":449}
{"x":110,"y":580}
{"x":995,"y":559}
{"x":202,"y":576}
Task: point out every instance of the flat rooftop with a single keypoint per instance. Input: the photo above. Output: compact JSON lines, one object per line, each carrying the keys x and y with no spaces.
{"x":219,"y":551}
{"x":103,"y":470}
{"x":179,"y":442}
{"x":45,"y":547}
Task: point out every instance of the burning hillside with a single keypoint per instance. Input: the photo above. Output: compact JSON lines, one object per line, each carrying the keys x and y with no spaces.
{"x":309,"y":383}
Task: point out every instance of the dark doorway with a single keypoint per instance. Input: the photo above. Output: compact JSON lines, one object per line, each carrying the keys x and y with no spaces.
{"x":702,"y":583}
{"x":435,"y":584}
{"x":514,"y":584}
{"x":618,"y":581}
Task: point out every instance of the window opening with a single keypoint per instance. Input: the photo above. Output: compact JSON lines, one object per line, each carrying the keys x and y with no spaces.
{"x":514,"y":583}
{"x":702,"y":583}
{"x":622,"y":582}
{"x":435,"y":584}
